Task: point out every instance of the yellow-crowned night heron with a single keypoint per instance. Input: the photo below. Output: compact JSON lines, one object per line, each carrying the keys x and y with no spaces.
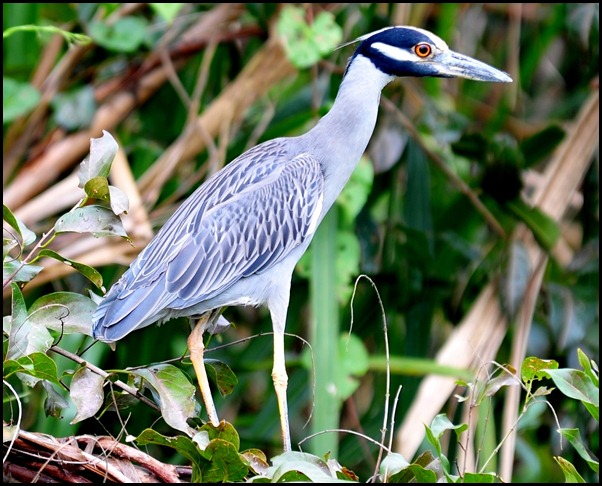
{"x":236,"y":240}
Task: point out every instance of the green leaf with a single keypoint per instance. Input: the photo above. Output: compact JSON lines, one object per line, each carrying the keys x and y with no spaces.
{"x":534,"y":368}
{"x":98,"y":188}
{"x":576,"y":384}
{"x":181,"y":444}
{"x":222,"y":375}
{"x":493,"y":385}
{"x":224,"y":431}
{"x":256,"y":460}
{"x":168,"y":11}
{"x":545,"y":230}
{"x":64,"y":312}
{"x":586,"y":364}
{"x":422,"y":475}
{"x":36,"y":365}
{"x":353,"y":363}
{"x":293,"y":466}
{"x":24,"y":338}
{"x":574,"y":437}
{"x":98,"y":162}
{"x":479,"y":477}
{"x":27,"y":236}
{"x":18,"y":99}
{"x":97,"y":220}
{"x":87,"y":393}
{"x":16,"y":271}
{"x":87,"y":271}
{"x":570,"y":473}
{"x":54,"y":404}
{"x":441,"y":424}
{"x":174,"y":393}
{"x":306,"y":44}
{"x":224,"y":464}
{"x":124,"y":35}
{"x":354,"y":195}
{"x":391,"y":465}
{"x":119,"y":201}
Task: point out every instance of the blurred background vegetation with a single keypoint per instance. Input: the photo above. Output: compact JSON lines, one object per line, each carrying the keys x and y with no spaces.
{"x":473,"y":217}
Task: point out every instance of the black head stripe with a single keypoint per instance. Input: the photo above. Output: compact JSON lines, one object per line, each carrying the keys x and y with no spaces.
{"x":403,"y":38}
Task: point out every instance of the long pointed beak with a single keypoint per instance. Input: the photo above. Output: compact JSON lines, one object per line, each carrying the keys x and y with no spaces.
{"x":456,"y":65}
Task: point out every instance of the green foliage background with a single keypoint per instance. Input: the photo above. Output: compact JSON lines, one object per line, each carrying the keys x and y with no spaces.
{"x":408,"y":220}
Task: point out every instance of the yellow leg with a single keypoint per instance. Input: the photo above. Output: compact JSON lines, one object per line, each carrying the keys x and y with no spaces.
{"x":280,"y":384}
{"x":196,"y":348}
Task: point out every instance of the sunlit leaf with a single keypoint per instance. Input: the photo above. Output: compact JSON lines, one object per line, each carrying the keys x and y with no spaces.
{"x":16,"y":271}
{"x":441,"y":424}
{"x":293,"y":466}
{"x":97,"y":188}
{"x":18,"y":99}
{"x":27,"y":236}
{"x":64,"y":312}
{"x":391,"y":465}
{"x":126,"y":34}
{"x":256,"y":460}
{"x":168,"y":11}
{"x":576,"y":384}
{"x":589,"y":367}
{"x":479,"y":477}
{"x":305,"y":44}
{"x":24,"y":338}
{"x":98,"y":162}
{"x":534,"y":368}
{"x":354,"y":195}
{"x":36,"y":365}
{"x":224,"y":431}
{"x":174,"y":392}
{"x":87,"y":393}
{"x":504,"y":379}
{"x":119,"y":201}
{"x":97,"y":220}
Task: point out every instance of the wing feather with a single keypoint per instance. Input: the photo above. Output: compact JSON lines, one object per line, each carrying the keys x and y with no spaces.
{"x":241,"y":222}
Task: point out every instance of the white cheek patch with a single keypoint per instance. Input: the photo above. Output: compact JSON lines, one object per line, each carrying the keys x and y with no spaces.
{"x":393,"y":52}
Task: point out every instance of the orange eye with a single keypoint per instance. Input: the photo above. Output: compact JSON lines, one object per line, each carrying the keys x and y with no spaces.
{"x":423,"y":50}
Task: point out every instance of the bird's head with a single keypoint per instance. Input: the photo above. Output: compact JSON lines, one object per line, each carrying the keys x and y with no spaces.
{"x":410,"y":51}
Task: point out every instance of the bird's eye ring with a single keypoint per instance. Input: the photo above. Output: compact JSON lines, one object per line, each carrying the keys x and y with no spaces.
{"x":423,"y":50}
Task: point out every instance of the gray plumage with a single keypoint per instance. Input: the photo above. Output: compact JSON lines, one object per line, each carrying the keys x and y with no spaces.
{"x":237,"y":238}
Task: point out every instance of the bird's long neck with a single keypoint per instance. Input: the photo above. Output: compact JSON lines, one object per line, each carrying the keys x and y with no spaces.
{"x":342,"y":135}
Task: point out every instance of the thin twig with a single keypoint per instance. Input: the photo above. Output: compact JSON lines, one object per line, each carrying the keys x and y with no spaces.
{"x":380,"y":445}
{"x":388,"y":367}
{"x":104,"y":374}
